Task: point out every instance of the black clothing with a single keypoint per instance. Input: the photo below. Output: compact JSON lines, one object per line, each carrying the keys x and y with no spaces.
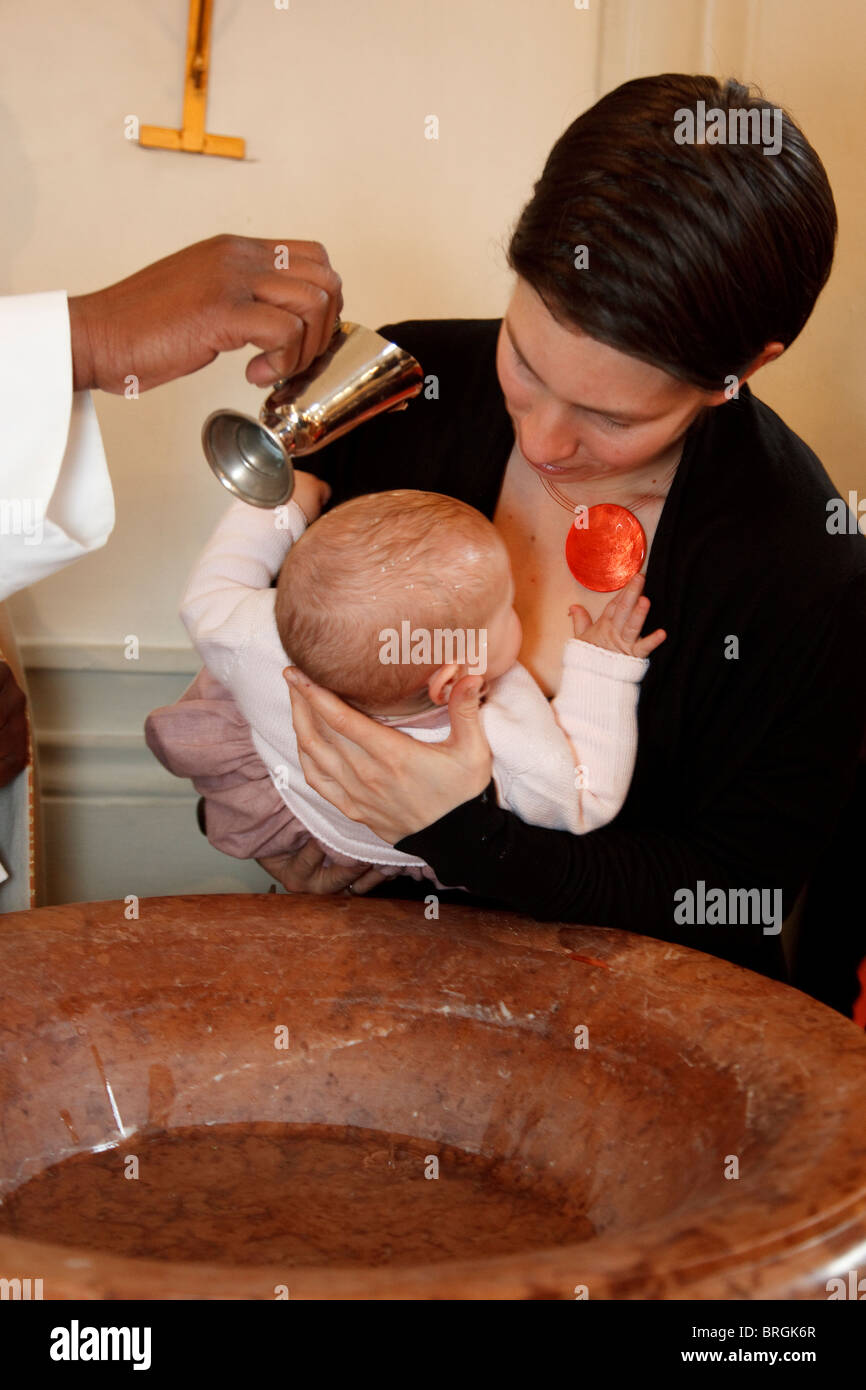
{"x":744,"y":765}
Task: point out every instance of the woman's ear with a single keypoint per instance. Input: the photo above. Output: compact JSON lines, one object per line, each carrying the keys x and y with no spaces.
{"x":769,"y":354}
{"x":441,"y":683}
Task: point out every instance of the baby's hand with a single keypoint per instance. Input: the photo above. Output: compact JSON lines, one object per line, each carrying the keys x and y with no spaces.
{"x":618,"y":627}
{"x":311,"y":494}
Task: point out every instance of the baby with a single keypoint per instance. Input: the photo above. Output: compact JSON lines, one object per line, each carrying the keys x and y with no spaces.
{"x":389,"y":600}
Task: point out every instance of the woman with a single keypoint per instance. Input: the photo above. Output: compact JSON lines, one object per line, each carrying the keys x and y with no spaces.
{"x":653,"y":279}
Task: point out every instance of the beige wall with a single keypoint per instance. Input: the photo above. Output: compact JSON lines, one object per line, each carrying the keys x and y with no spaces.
{"x":331,"y":96}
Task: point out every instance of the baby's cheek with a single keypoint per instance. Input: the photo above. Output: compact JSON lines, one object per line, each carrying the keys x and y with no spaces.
{"x":503,"y":654}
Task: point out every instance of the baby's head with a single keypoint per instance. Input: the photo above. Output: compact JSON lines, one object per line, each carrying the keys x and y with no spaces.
{"x":390,"y":598}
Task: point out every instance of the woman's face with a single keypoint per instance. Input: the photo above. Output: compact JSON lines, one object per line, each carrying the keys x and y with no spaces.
{"x":580,"y":409}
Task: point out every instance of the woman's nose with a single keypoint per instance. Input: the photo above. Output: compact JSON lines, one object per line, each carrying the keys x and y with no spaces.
{"x":545,"y":437}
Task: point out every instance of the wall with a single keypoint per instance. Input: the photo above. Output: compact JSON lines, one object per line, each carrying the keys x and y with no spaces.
{"x":331,"y":98}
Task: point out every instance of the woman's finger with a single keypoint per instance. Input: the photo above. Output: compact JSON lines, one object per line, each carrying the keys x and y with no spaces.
{"x":307,"y":724}
{"x":294,"y":871}
{"x":305,"y":871}
{"x":335,"y":878}
{"x":332,"y":787}
{"x":467,"y":737}
{"x":371,"y":879}
{"x":329,"y":770}
{"x":309,"y":858}
{"x":332,"y":767}
{"x":331,"y":719}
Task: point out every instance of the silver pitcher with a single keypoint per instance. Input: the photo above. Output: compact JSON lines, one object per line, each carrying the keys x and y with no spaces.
{"x":359,"y":375}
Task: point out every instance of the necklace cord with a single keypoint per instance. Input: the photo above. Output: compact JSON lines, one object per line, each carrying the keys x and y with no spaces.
{"x":570,"y":506}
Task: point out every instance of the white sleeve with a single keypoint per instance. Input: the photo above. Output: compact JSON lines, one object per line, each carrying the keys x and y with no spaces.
{"x":56,"y":502}
{"x":228,"y":603}
{"x":567,"y":764}
{"x":596,"y":708}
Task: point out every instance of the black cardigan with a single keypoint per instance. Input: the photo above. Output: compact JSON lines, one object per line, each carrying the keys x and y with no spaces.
{"x":743,"y":766}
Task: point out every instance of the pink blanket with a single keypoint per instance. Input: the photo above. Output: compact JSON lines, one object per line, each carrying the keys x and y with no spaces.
{"x":204,"y":736}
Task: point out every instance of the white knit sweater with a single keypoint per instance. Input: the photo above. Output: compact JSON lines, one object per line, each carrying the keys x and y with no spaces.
{"x":565,"y":765}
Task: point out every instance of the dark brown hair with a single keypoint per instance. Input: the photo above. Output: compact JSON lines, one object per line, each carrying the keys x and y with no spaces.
{"x":698,"y":254}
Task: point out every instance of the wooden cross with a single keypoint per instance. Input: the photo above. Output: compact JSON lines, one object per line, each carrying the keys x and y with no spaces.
{"x":192,"y":136}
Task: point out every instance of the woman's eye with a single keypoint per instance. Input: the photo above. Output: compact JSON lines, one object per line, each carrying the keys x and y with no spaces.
{"x":613,"y":424}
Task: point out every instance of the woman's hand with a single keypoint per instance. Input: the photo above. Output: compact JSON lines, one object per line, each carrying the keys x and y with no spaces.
{"x":383,"y":778}
{"x":306,"y":872}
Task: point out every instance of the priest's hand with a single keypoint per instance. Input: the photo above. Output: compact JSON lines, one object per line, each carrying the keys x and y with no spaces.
{"x":178,"y":314}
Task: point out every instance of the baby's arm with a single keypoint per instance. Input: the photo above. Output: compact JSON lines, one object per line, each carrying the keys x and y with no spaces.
{"x":228,"y":596}
{"x":568,"y":765}
{"x":596,"y":707}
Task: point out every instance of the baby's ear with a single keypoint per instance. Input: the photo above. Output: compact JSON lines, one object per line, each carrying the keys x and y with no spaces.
{"x":441,"y":683}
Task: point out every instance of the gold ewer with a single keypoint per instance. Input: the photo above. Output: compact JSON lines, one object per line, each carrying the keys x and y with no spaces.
{"x":359,"y":375}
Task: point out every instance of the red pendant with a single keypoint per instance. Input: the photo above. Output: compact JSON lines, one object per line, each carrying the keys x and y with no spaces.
{"x":607,"y":549}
